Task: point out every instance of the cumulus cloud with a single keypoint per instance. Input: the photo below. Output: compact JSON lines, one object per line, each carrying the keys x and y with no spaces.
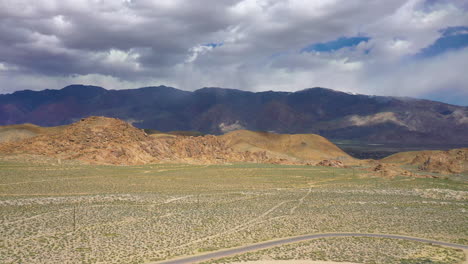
{"x":374,"y":47}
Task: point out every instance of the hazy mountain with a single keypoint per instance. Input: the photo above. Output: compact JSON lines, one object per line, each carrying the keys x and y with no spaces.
{"x":330,"y":113}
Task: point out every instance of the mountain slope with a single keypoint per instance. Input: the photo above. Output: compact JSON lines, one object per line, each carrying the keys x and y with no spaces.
{"x":298,"y":146}
{"x":335,"y":115}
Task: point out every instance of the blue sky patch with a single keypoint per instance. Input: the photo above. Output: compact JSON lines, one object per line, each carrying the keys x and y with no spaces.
{"x":335,"y":44}
{"x":450,"y":95}
{"x":213,"y":45}
{"x":452,"y":38}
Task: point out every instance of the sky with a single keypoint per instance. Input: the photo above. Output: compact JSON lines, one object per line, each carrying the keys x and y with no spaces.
{"x":414,"y":48}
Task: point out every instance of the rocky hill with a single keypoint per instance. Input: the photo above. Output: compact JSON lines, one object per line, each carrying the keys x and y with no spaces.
{"x":94,"y":139}
{"x":450,"y":161}
{"x":332,"y":114}
{"x":101,"y":140}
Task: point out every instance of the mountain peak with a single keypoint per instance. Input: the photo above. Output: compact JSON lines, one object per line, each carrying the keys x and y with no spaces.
{"x":159,"y":87}
{"x":81,"y":87}
{"x":220,"y":90}
{"x":320,"y":90}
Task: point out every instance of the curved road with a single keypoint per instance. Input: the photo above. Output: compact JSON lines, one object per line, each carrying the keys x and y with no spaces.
{"x":279,"y":242}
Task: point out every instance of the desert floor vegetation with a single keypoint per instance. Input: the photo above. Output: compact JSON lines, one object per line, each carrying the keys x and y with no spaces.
{"x":355,"y":250}
{"x":72,"y":213}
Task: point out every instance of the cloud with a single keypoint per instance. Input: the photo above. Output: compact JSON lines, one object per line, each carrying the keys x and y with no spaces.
{"x":397,"y":47}
{"x":200,"y":50}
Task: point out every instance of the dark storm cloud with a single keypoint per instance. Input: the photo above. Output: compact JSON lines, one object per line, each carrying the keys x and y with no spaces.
{"x":69,"y":37}
{"x":131,"y":43}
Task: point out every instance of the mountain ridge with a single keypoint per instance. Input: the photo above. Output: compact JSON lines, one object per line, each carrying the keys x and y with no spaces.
{"x":211,"y":110}
{"x":74,"y":86}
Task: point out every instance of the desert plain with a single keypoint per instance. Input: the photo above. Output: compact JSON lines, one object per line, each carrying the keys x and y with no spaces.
{"x":70,"y":212}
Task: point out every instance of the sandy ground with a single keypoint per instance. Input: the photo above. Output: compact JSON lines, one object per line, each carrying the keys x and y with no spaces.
{"x":292,"y":262}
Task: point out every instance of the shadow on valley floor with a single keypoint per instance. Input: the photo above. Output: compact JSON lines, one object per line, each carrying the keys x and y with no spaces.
{"x":368,"y":150}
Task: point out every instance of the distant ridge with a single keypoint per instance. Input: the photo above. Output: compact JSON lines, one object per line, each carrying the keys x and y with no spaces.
{"x":332,"y":114}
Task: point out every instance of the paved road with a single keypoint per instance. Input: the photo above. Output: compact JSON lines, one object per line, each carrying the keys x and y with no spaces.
{"x":274,"y":243}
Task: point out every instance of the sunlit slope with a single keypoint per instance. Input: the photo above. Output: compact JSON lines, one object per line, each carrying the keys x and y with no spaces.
{"x":13,"y":133}
{"x":308,"y":147}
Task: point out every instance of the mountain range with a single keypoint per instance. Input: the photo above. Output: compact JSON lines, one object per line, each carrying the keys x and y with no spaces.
{"x":332,"y":114}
